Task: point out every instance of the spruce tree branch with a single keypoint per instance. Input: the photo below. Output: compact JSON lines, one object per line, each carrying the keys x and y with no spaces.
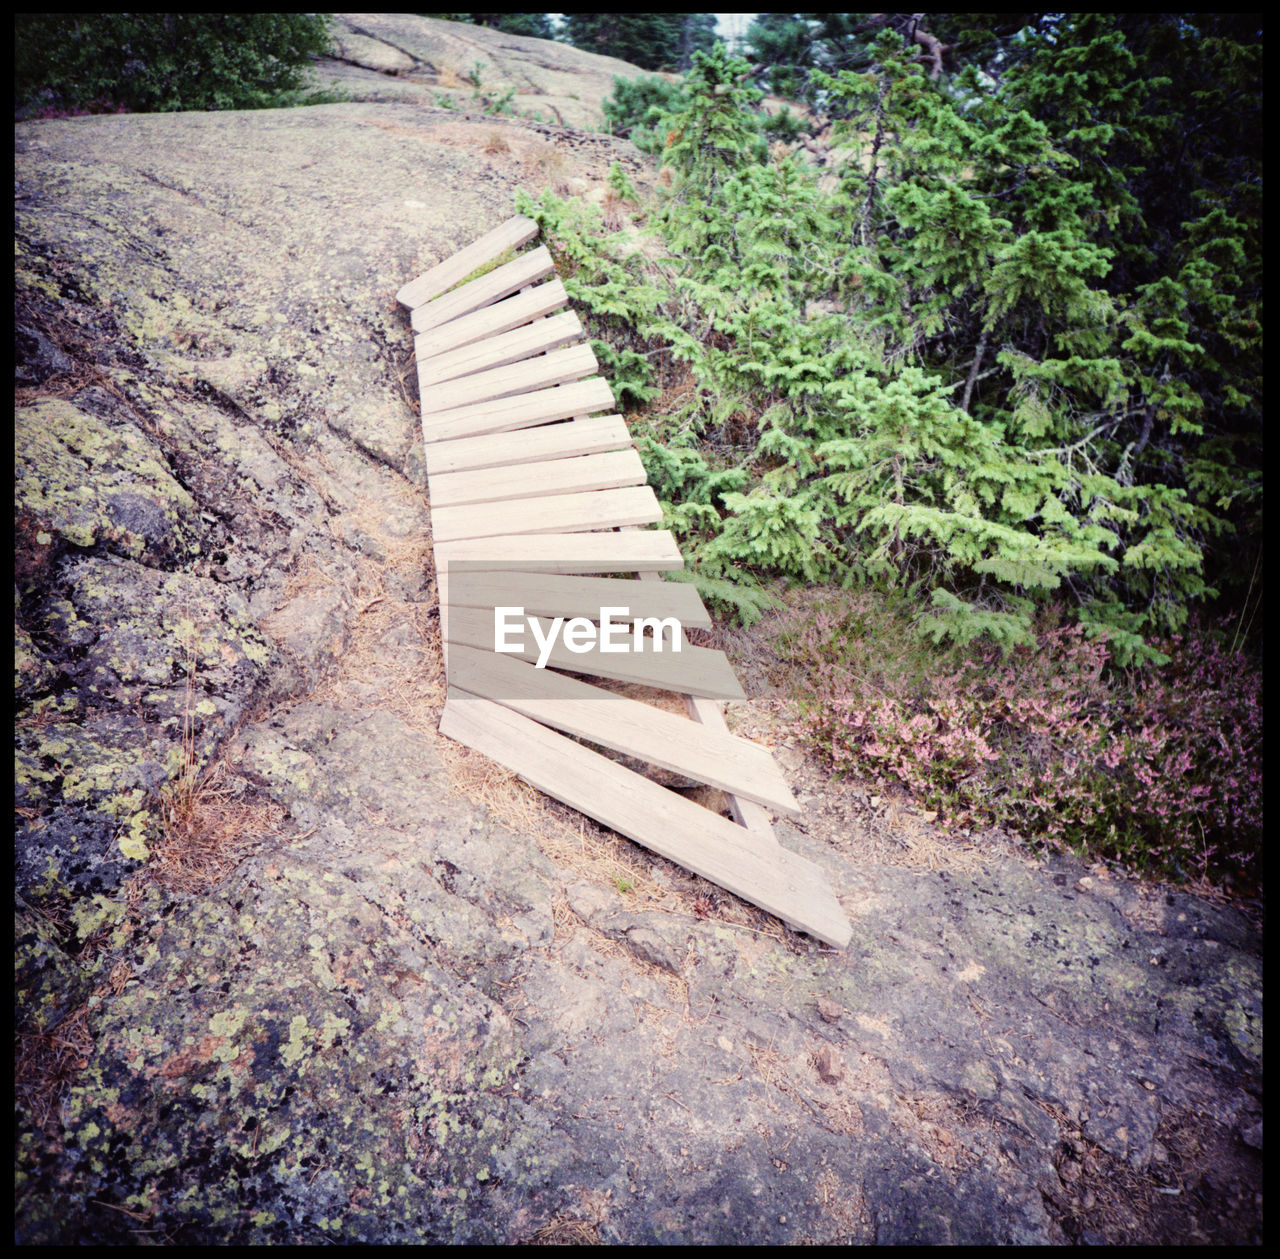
{"x":974,"y":369}
{"x":1078,"y":446}
{"x":1149,"y":415}
{"x":933,"y":49}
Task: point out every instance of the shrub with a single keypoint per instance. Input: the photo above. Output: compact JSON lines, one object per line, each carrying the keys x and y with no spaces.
{"x":636,"y":109}
{"x":1159,"y":767}
{"x":151,"y":62}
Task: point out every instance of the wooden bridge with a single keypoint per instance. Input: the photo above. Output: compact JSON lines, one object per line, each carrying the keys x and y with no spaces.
{"x":537,"y":496}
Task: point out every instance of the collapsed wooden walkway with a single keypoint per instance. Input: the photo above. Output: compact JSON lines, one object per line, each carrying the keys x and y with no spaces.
{"x":536,"y":495}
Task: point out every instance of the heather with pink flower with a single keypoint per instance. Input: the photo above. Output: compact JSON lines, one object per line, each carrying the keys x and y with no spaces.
{"x":1157,"y":766}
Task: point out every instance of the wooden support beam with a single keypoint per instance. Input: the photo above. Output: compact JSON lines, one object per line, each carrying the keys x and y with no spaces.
{"x":512,"y":234}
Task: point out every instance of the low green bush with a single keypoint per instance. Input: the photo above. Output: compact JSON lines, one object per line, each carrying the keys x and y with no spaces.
{"x":69,"y":63}
{"x":637,"y":107}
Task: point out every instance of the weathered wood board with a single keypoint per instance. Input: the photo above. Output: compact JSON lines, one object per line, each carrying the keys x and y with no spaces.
{"x":689,"y":670}
{"x":552,"y":594}
{"x":479,"y":356}
{"x":625,"y":725}
{"x":530,"y":445}
{"x":509,"y":235}
{"x":610,"y":470}
{"x":779,"y":881}
{"x":497,"y":284}
{"x":503,"y":316}
{"x":476,"y":419}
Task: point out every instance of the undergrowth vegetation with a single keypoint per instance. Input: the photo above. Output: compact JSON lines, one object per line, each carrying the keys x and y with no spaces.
{"x":68,"y":64}
{"x":1157,"y":767}
{"x":967,"y":367}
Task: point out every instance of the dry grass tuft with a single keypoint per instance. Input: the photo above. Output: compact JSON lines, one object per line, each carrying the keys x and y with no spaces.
{"x":615,"y":217}
{"x":46,"y":1064}
{"x":404,"y":679}
{"x":547,"y":167}
{"x":496,"y":142}
{"x":211,"y":819}
{"x":563,"y":919}
{"x":770,"y":1065}
{"x":82,"y":347}
{"x":580,"y":1229}
{"x":566,"y":1231}
{"x":211,"y":824}
{"x":307,"y":576}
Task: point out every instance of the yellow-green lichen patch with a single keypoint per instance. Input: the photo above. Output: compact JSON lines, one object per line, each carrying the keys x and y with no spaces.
{"x":149,"y":659}
{"x":89,"y":481}
{"x":345,"y":1108}
{"x":133,"y":842}
{"x":31,"y":671}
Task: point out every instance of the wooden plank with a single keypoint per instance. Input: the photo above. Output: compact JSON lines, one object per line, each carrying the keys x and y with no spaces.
{"x":442,"y":277}
{"x":484,"y":355}
{"x":524,"y":410}
{"x":693,"y":670}
{"x":559,"y":367}
{"x":554,"y":594}
{"x":490,"y":321}
{"x":625,"y":725}
{"x":556,"y":513}
{"x":530,"y":445}
{"x":708,"y":713}
{"x":643,"y":551}
{"x":492,"y":287}
{"x":780,"y":882}
{"x":746,"y":812}
{"x":608,"y":471}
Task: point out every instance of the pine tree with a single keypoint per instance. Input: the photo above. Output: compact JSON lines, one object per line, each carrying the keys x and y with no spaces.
{"x":652,"y":41}
{"x":536,"y":25}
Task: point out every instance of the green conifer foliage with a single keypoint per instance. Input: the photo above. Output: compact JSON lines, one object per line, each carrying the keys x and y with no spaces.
{"x":637,"y":109}
{"x":145,"y":62}
{"x":534,"y":25}
{"x":652,"y":41}
{"x":998,"y":359}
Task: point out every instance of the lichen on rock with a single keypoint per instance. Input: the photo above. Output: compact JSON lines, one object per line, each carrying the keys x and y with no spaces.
{"x":91,"y":480}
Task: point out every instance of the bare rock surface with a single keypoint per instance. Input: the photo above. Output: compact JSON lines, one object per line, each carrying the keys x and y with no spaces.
{"x":403,"y":57}
{"x":292,"y":967}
